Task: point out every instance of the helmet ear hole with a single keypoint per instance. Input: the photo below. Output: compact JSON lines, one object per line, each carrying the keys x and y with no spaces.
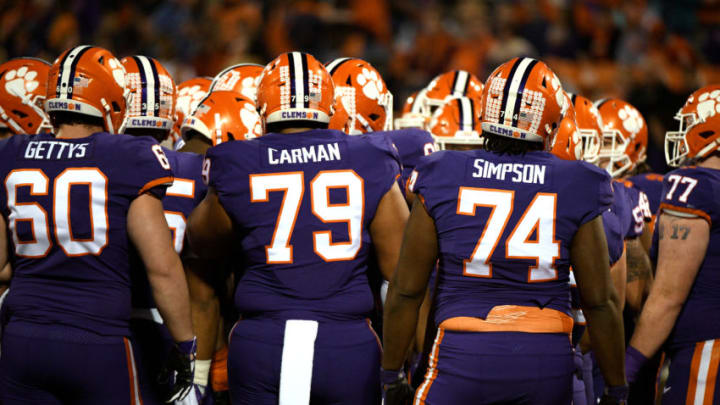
{"x":231,"y":136}
{"x":374,"y":116}
{"x":19,"y":114}
{"x":706,"y":134}
{"x":116,"y":106}
{"x":544,"y":83}
{"x":101,"y":60}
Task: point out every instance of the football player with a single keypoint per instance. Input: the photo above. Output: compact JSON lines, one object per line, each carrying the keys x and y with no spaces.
{"x":681,"y":312}
{"x":73,"y":202}
{"x":317,"y":200}
{"x":23,"y":84}
{"x":151,"y":113}
{"x":505,"y":224}
{"x":447,"y":85}
{"x":222,"y":116}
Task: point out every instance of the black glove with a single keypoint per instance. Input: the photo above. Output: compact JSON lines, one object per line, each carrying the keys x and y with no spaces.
{"x":395,"y":387}
{"x":179,"y":370}
{"x":615,"y":395}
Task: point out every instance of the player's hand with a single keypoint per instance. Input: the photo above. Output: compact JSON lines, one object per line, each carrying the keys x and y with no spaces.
{"x":179,"y":370}
{"x":396,"y":389}
{"x":615,"y":395}
{"x":195,"y":397}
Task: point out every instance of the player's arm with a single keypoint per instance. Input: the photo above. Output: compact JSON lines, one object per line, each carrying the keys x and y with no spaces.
{"x":646,"y":237}
{"x":408,"y":285}
{"x":150,"y":234}
{"x":589,"y":258}
{"x":682,"y":245}
{"x":386,"y":230}
{"x":618,"y":274}
{"x":210,"y":228}
{"x":639,"y":273}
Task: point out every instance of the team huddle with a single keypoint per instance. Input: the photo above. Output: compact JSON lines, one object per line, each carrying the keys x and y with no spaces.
{"x":246,"y":238}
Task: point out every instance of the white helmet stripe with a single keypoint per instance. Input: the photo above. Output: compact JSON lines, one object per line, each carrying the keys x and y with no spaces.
{"x":515,"y":81}
{"x":460,"y":83}
{"x":335,"y":64}
{"x":150,"y":84}
{"x":466,"y":114}
{"x":67,"y":70}
{"x":296,"y":61}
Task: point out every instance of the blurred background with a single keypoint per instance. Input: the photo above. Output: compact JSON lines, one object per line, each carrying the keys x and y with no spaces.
{"x":652,"y":53}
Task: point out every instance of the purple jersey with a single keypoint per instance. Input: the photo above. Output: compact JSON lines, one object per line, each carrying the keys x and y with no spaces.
{"x":616,"y":222}
{"x":66,"y":203}
{"x":185,"y":193}
{"x":505,"y":224}
{"x":412,"y":144}
{"x":651,"y":184}
{"x":696,"y":190}
{"x":302,"y":204}
{"x":639,"y":211}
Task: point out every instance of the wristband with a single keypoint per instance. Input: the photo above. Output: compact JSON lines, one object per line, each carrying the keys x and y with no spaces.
{"x":634,"y":360}
{"x":388,"y":377}
{"x":618,"y":393}
{"x":187,"y":347}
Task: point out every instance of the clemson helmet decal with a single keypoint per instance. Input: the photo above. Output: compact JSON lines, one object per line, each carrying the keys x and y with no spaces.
{"x":697,"y":135}
{"x":23,"y":87}
{"x":624,"y":136}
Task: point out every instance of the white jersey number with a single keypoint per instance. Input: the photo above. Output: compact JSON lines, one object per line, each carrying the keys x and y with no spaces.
{"x":32,"y":212}
{"x":538,"y":219}
{"x":293,"y":187}
{"x":177,"y":222}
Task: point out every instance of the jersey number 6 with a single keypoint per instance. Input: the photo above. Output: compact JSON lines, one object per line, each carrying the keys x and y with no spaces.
{"x":292,"y":184}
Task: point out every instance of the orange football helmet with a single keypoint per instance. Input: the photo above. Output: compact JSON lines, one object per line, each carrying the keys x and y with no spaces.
{"x":224,"y":116}
{"x":23,"y":87}
{"x":523,"y":99}
{"x":189,"y":94}
{"x":589,"y":126}
{"x":364,"y":96}
{"x":699,"y":132}
{"x":625,"y":136}
{"x":89,"y":80}
{"x":567,"y":143}
{"x":242,"y":78}
{"x":295,"y":87}
{"x":457,"y":122}
{"x":411,"y":116}
{"x":153,"y":94}
{"x":455,"y":83}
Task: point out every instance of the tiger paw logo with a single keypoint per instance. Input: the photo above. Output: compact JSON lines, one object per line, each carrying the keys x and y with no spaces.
{"x":371,"y":84}
{"x":251,"y":120}
{"x":708,"y":104}
{"x":632,"y":121}
{"x":20,"y":82}
{"x":118,"y":71}
{"x":189,"y":97}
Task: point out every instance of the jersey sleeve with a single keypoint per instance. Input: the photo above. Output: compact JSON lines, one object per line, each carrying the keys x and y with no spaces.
{"x":151,"y":168}
{"x":423,"y":177}
{"x":386,"y":161}
{"x":598,"y":183}
{"x":691,"y":193}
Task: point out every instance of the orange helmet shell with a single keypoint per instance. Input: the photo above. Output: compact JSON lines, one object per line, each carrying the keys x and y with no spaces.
{"x":23,"y":87}
{"x":567,"y":143}
{"x":457,"y":122}
{"x":364,"y":96}
{"x":523,"y":99}
{"x":153,"y":94}
{"x":589,"y":126}
{"x":89,"y":80}
{"x":242,"y":78}
{"x":189,"y":94}
{"x":455,"y":83}
{"x":224,"y":116}
{"x":699,"y":132}
{"x":625,"y":136}
{"x":295,"y":87}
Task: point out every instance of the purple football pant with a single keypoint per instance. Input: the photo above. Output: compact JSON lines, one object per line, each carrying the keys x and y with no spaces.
{"x":693,"y":377}
{"x":151,"y":345}
{"x":43,"y":365}
{"x":326,"y":362}
{"x":583,"y":393}
{"x":498,"y":368}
